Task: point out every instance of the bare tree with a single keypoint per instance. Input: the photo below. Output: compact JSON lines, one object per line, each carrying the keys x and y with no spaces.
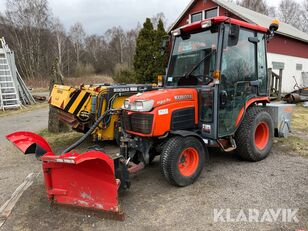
{"x":116,"y":37}
{"x":93,"y":44}
{"x":59,"y":32}
{"x":77,"y":36}
{"x":289,"y":11}
{"x":27,"y":22}
{"x":39,"y":39}
{"x":159,"y":16}
{"x":130,"y":46}
{"x":260,"y":6}
{"x":304,"y":24}
{"x":55,"y":125}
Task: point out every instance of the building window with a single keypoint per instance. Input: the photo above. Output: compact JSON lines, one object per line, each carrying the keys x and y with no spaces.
{"x":210,"y":13}
{"x":299,"y":67}
{"x":196,"y":17}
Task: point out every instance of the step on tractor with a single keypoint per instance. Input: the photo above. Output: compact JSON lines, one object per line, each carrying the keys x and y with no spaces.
{"x":214,"y":95}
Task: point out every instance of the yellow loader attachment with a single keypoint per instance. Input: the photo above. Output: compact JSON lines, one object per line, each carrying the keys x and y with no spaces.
{"x":81,"y":106}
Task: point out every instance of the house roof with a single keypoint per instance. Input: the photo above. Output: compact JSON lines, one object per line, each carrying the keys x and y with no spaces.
{"x":254,"y":18}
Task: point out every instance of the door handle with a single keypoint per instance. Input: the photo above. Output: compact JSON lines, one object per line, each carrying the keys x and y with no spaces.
{"x":223,"y":98}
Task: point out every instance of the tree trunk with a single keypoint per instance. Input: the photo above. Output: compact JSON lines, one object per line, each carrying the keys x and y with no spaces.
{"x":54,"y":124}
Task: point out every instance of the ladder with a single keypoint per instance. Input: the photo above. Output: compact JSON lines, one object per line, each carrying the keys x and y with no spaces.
{"x":9,"y":96}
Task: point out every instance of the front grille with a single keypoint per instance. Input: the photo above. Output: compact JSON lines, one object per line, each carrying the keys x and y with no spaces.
{"x":137,"y":122}
{"x":126,"y":121}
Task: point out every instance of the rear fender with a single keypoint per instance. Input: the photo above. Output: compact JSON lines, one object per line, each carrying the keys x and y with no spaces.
{"x":30,"y":143}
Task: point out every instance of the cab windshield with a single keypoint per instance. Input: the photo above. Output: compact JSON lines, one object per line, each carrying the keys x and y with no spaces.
{"x":192,"y":59}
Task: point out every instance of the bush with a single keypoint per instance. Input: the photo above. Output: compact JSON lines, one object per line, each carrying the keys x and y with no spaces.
{"x":83,"y":69}
{"x":123,"y":74}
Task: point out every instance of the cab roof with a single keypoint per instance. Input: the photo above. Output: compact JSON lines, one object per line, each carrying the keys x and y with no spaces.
{"x":220,"y":19}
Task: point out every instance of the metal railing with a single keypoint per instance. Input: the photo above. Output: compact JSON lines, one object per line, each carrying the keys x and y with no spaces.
{"x":275,"y":83}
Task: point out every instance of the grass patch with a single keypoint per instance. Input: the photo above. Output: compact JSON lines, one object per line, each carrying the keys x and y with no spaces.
{"x":59,"y":140}
{"x":300,"y":118}
{"x":77,"y":81}
{"x":42,"y":84}
{"x":295,"y":144}
{"x":40,"y":90}
{"x":23,"y":109}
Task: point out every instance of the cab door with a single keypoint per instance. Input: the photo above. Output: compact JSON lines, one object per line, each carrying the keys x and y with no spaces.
{"x":238,"y":72}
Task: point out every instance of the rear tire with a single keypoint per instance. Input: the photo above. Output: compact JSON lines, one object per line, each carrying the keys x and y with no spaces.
{"x":254,"y":137}
{"x":182,"y":160}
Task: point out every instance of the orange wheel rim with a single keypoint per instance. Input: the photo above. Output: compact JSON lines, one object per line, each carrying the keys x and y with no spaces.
{"x":261,"y":135}
{"x":188,"y":161}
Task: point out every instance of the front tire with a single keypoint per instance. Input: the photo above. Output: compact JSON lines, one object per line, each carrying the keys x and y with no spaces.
{"x":254,"y":137}
{"x":182,"y":160}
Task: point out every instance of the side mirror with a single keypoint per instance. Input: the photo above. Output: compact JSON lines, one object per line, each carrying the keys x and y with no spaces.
{"x":164,"y":44}
{"x":233,"y":37}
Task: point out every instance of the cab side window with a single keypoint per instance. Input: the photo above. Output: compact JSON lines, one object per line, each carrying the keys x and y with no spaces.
{"x":238,"y":62}
{"x":238,"y":68}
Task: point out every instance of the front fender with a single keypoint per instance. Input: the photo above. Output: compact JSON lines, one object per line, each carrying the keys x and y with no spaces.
{"x":185,"y":133}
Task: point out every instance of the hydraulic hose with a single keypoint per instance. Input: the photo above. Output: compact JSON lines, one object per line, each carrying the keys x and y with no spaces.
{"x":88,"y":133}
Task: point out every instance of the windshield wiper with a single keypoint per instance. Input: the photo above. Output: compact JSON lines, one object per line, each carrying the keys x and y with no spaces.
{"x":198,"y":64}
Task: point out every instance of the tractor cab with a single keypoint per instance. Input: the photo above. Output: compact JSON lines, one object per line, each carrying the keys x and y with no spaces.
{"x":225,"y":60}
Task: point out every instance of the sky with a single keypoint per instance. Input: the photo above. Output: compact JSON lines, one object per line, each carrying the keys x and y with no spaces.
{"x":99,"y":15}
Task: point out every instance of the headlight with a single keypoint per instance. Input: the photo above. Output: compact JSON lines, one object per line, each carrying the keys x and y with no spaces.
{"x":144,"y":105}
{"x":139,"y":105}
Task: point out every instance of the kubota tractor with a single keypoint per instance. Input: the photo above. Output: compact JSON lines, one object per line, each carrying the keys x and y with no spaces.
{"x":215,"y":95}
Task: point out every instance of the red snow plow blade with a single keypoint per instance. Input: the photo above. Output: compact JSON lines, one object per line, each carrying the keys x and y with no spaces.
{"x":86,"y":180}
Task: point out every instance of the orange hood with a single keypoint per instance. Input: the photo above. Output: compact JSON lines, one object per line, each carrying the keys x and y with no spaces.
{"x":166,"y":96}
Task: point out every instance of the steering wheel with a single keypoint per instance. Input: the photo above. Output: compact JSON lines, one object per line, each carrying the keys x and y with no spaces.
{"x":205,"y":79}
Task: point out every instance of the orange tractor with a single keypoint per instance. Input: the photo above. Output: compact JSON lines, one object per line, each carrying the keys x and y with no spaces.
{"x":215,"y":94}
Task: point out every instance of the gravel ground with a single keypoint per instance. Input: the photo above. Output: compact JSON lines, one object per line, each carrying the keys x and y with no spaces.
{"x":15,"y":167}
{"x":280,"y":181}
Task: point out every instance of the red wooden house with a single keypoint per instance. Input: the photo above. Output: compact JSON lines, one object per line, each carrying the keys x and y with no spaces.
{"x":287,"y":50}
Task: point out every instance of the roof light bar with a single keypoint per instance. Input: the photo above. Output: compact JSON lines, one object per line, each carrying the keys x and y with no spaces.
{"x":176,"y":32}
{"x":206,"y":24}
